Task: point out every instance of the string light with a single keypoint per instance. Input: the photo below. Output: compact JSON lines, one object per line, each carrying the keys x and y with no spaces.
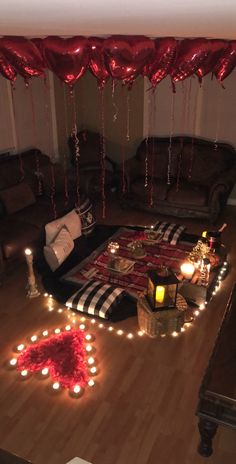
{"x":91,"y":383}
{"x":60,"y":310}
{"x":88,"y":337}
{"x":196,"y":312}
{"x":174,"y":334}
{"x":45,"y":333}
{"x":24,"y":373}
{"x":68,"y":327}
{"x":57,"y":331}
{"x":110,"y":329}
{"x":82,"y":326}
{"x":101,"y":326}
{"x":90,"y":360}
{"x":140,"y":333}
{"x":93,"y":321}
{"x":34,"y":338}
{"x":130,"y":335}
{"x":120,"y":332}
{"x":89,"y":348}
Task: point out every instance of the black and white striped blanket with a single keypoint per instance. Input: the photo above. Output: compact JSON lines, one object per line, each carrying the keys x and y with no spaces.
{"x":171,"y":232}
{"x":96,"y":298}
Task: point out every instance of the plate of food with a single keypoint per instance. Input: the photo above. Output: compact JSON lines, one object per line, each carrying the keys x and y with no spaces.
{"x":152,"y":237}
{"x":121,"y":265}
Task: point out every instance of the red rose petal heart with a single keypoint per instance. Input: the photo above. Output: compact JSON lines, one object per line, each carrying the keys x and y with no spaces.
{"x":63,"y":355}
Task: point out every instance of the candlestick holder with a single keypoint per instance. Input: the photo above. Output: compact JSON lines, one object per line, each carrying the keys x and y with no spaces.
{"x":32,"y":289}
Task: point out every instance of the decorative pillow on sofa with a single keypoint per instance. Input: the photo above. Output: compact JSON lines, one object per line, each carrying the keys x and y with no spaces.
{"x":71,"y":221}
{"x":59,"y":249}
{"x":85,"y":212}
{"x":17,"y":197}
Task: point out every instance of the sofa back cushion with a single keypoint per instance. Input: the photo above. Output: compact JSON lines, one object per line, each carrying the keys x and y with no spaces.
{"x":193,"y":159}
{"x":17,"y":197}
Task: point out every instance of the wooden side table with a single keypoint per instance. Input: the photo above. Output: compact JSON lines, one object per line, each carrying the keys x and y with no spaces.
{"x":161,"y":322}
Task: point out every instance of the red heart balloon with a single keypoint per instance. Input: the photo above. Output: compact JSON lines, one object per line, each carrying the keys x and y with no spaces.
{"x":67,"y":58}
{"x":190,"y":55}
{"x":62,"y":354}
{"x":7,"y":69}
{"x":97,"y":64}
{"x":165,"y":55}
{"x":126,"y":56}
{"x":226,"y":62}
{"x":216,"y":49}
{"x":23,"y":55}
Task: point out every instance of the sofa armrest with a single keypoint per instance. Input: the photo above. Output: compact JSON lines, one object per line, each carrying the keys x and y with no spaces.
{"x":223,"y":184}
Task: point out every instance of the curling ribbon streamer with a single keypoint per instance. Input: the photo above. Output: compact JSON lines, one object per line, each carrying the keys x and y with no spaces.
{"x":102,"y":153}
{"x":128,"y":115}
{"x":116,"y":110}
{"x":153,"y":119}
{"x":199,"y":88}
{"x":172,"y":112}
{"x":64,"y":157}
{"x":77,"y":150}
{"x":35,"y":135}
{"x":22,"y":171}
{"x":218,"y":111}
{"x":52,"y":170}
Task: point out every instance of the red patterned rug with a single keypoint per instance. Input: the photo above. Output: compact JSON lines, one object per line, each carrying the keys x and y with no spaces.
{"x":160,"y":254}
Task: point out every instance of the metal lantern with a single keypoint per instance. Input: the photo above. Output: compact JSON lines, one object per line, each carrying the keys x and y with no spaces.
{"x":162,"y":289}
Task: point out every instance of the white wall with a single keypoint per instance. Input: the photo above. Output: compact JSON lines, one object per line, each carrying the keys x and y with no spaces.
{"x":18,"y":129}
{"x":208,"y":111}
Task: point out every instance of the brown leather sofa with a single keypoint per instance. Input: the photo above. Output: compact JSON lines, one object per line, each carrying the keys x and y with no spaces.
{"x":26,"y":201}
{"x":201,"y":174}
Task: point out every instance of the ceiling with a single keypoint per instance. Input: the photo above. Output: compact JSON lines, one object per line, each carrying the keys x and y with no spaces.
{"x":154,"y":18}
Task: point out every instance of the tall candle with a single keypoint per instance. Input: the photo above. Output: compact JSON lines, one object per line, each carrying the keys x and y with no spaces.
{"x":29,"y":260}
{"x":160,"y":294}
{"x":32,"y":287}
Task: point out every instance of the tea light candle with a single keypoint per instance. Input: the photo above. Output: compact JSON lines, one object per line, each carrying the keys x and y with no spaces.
{"x":113,"y":247}
{"x":160,"y":294}
{"x":187,"y":270}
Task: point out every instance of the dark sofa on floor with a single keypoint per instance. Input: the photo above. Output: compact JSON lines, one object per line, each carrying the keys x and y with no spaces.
{"x":202,"y":175}
{"x":26,"y":202}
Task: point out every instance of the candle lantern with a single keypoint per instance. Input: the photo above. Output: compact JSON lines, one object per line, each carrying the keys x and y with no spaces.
{"x":162,"y":289}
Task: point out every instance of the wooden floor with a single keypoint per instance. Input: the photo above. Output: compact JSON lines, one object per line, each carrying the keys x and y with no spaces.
{"x":142,"y":409}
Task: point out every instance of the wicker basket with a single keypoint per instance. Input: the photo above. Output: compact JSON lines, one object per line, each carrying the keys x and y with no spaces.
{"x":161,"y":322}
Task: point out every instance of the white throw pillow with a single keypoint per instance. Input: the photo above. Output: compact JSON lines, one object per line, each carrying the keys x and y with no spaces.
{"x":71,"y":221}
{"x":57,"y":251}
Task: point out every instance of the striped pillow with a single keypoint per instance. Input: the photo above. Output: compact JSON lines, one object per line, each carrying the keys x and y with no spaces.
{"x":85,"y":212}
{"x":171,"y":232}
{"x":96,"y":298}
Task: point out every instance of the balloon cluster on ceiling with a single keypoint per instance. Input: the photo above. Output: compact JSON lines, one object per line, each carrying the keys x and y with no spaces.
{"x":119,"y":57}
